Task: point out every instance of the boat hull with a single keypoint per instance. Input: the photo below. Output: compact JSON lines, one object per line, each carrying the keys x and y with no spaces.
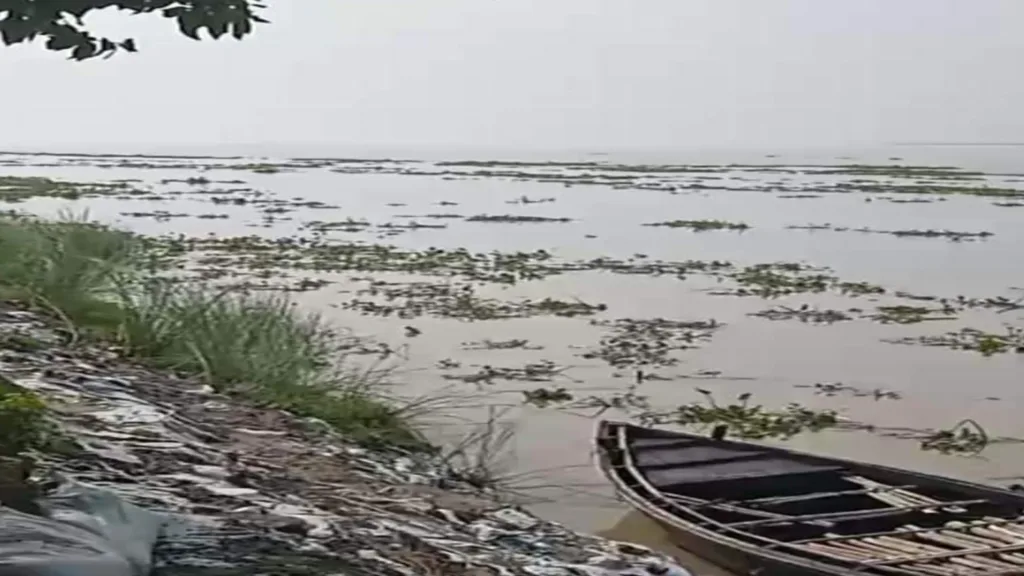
{"x":732,"y":559}
{"x":715,"y":498}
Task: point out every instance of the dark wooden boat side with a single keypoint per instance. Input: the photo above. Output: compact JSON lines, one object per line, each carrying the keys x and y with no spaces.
{"x":743,"y":551}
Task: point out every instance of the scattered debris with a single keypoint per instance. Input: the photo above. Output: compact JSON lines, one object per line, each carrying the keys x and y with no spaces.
{"x":307,"y":503}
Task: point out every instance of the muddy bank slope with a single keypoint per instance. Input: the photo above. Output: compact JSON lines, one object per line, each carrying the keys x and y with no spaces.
{"x":241,"y":489}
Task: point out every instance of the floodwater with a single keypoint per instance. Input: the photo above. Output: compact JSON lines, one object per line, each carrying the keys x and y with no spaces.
{"x":548,"y":461}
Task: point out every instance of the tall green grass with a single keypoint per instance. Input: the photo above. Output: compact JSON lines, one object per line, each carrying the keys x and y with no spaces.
{"x":66,"y":266}
{"x":100,"y":282}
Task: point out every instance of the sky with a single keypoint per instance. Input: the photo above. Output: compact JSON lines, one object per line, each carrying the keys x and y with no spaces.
{"x":540,"y":74}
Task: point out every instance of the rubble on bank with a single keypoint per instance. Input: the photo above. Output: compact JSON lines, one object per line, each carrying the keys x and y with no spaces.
{"x":225,"y":488}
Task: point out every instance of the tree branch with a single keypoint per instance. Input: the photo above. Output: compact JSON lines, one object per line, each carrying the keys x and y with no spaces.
{"x":60,"y":22}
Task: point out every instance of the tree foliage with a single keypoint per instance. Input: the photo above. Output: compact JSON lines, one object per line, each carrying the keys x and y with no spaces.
{"x":60,"y":22}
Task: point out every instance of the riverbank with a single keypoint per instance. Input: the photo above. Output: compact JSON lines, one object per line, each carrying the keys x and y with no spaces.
{"x":243,"y":489}
{"x":246,"y":472}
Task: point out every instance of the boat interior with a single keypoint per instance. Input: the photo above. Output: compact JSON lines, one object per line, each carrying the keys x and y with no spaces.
{"x":855,"y":518}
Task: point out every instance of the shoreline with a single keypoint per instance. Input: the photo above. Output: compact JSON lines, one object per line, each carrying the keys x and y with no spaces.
{"x":261,"y":489}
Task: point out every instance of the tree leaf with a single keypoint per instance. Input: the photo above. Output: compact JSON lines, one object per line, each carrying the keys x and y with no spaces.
{"x":218,"y":25}
{"x":241,"y":28}
{"x":84,"y":50}
{"x":64,"y":37}
{"x":189,"y":24}
{"x":14,"y":31}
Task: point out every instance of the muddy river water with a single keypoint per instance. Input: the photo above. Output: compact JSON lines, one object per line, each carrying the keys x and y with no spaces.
{"x":946,"y":232}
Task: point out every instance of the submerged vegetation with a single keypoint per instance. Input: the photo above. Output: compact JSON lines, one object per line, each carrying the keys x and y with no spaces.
{"x":778,"y":279}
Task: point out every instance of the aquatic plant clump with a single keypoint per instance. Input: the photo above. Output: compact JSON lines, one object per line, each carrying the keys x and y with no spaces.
{"x":831,"y":389}
{"x":951,"y":235}
{"x":748,"y":421}
{"x":458,"y":301}
{"x":769,"y":281}
{"x":965,"y":437}
{"x":636,"y":342}
{"x":510,"y":219}
{"x":905,"y":314}
{"x":488,"y":344}
{"x":543,"y":371}
{"x":253,"y":253}
{"x":804,"y":314}
{"x":544,"y":397}
{"x":702,"y":225}
{"x":972,"y":339}
{"x":19,"y":188}
{"x":891,"y":314}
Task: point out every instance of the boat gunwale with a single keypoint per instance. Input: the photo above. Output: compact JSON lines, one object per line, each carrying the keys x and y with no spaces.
{"x":666,"y":517}
{"x":718,"y":532}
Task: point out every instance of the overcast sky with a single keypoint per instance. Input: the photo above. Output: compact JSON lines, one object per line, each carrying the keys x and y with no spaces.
{"x":542,"y":74}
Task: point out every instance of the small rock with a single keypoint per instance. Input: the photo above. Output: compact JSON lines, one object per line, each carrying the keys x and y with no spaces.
{"x":660,"y":569}
{"x":317,"y":425}
{"x":232,"y":491}
{"x":449,"y":516}
{"x":516,"y":518}
{"x":483,"y":532}
{"x":632,"y":549}
{"x":289,"y":525}
{"x":252,"y":432}
{"x":403,"y":464}
{"x":211,"y":471}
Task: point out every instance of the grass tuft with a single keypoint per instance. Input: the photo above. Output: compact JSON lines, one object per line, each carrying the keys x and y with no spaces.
{"x":478,"y":458}
{"x":100,"y":283}
{"x":23,"y":423}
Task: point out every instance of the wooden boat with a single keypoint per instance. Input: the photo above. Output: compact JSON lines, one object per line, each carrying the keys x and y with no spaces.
{"x":770,"y":511}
